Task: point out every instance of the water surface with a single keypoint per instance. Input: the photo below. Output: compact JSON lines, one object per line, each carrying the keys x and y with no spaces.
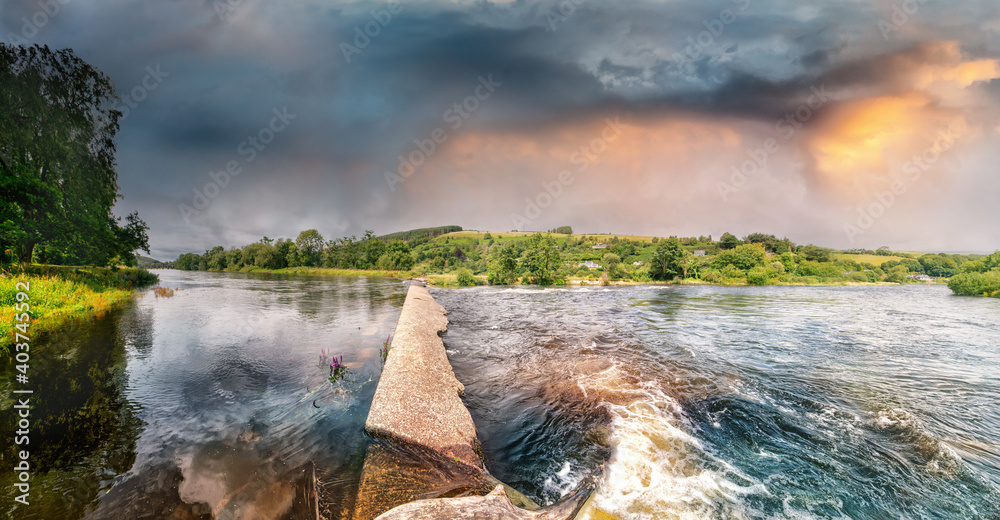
{"x":205,"y":401}
{"x":741,"y":402}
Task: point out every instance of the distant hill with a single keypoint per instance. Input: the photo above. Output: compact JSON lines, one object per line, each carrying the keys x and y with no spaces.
{"x":416,"y":234}
{"x":146,"y":262}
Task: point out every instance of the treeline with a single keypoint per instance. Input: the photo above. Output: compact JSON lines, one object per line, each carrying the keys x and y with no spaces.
{"x":309,"y":249}
{"x":414,"y":234}
{"x":546,"y":259}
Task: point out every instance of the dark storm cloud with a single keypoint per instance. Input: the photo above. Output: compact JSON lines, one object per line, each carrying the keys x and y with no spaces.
{"x":557,"y":67}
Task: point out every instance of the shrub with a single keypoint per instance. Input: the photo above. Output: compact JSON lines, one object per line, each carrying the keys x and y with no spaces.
{"x":731,"y":271}
{"x":711,"y":276}
{"x":164,"y":292}
{"x":641,"y":274}
{"x":743,"y":257}
{"x":897,"y":274}
{"x":858,"y":276}
{"x":759,"y":276}
{"x":464,"y":277}
{"x":395,"y":261}
{"x":973,"y":284}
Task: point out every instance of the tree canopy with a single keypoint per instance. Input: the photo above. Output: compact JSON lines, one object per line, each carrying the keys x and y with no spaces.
{"x":57,"y":159}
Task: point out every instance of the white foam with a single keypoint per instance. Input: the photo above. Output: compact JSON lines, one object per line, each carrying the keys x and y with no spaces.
{"x":657,"y":469}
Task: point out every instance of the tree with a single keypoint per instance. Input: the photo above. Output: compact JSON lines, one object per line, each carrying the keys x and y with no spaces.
{"x":668,"y":260}
{"x":309,"y":245}
{"x":744,"y":257}
{"x":728,"y":241}
{"x":770,"y":242}
{"x":503,"y":266}
{"x":373,"y":249}
{"x":816,"y":253}
{"x":612,"y":265}
{"x":396,"y":258}
{"x":540,"y":259}
{"x":563,"y":230}
{"x":938,"y":265}
{"x":57,"y":158}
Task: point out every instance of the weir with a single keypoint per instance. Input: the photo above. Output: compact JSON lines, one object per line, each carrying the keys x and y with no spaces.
{"x":426,"y":460}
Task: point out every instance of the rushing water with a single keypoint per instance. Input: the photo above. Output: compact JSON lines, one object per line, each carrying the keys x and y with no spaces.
{"x":203,"y":402}
{"x":715,"y":402}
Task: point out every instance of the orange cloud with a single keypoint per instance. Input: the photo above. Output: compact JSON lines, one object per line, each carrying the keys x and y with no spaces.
{"x":858,"y":143}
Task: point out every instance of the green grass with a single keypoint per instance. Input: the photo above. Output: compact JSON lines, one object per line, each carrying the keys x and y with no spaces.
{"x":56,"y":295}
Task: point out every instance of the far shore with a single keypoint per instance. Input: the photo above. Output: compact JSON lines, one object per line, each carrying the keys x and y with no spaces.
{"x":449,"y":280}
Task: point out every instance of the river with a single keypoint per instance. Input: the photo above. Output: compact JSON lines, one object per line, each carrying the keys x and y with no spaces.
{"x":187,"y":404}
{"x":738,"y":402}
{"x":704,"y":402}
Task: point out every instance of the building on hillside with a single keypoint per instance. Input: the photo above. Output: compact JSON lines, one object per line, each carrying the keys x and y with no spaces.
{"x":600,"y":246}
{"x":637,"y":262}
{"x":920,"y":278}
{"x":699,"y":252}
{"x":589,"y":264}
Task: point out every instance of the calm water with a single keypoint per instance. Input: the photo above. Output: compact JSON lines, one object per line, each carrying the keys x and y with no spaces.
{"x":714,"y":402}
{"x":204,"y":401}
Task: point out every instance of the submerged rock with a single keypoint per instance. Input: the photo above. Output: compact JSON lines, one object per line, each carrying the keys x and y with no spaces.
{"x":494,"y":506}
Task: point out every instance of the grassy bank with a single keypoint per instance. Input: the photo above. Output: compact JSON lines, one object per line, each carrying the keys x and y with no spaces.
{"x":58,"y":294}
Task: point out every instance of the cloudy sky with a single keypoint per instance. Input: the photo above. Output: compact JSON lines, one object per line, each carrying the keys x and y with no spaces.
{"x":842,"y":123}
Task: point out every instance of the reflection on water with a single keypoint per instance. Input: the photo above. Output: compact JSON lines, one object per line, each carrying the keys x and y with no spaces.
{"x":714,"y":402}
{"x":207,"y":403}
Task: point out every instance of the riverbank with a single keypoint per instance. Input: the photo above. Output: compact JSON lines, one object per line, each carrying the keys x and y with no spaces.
{"x":451,"y":280}
{"x":58,"y":294}
{"x":321,"y":271}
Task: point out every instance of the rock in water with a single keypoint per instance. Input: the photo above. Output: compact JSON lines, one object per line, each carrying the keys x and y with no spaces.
{"x":494,"y":506}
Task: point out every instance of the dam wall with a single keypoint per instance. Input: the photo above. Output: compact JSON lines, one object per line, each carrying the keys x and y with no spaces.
{"x":418,"y":399}
{"x":426,"y":461}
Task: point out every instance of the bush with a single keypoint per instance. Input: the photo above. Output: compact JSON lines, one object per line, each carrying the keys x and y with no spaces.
{"x":641,"y":274}
{"x":974,"y":284}
{"x":744,"y":257}
{"x":759,"y":276}
{"x":395,"y":261}
{"x":897,"y":274}
{"x":711,"y":276}
{"x":858,"y":277}
{"x":464,"y":278}
{"x":731,"y":271}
